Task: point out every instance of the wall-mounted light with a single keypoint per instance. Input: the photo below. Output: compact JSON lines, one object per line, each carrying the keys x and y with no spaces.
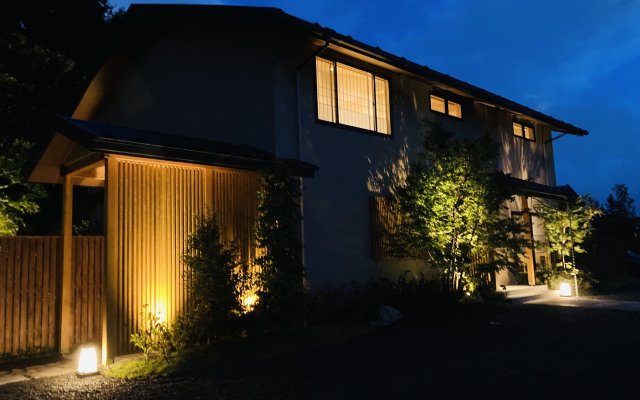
{"x":87,"y":361}
{"x":565,"y":289}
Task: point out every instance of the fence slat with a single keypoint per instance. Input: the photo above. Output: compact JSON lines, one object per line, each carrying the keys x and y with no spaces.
{"x":53,"y":287}
{"x":44,"y":262}
{"x":8,"y":340}
{"x":24,"y":281}
{"x":3,"y":288}
{"x":37,"y":340}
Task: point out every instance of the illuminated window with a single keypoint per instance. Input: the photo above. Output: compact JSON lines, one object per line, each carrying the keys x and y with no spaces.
{"x":445,"y":106}
{"x":352,"y":97}
{"x":524,"y":131}
{"x":438,"y":104}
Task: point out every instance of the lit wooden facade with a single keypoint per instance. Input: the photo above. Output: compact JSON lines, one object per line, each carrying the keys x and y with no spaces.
{"x":151,"y":208}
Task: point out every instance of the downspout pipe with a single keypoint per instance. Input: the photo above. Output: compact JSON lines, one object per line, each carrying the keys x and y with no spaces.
{"x":327,"y":39}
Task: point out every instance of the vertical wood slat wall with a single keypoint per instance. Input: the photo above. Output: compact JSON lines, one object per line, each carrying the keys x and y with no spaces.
{"x":384,"y":221}
{"x":29,"y":268}
{"x":156,"y":207}
{"x":235,"y":204}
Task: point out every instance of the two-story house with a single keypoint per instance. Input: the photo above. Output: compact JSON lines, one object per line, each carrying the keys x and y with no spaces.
{"x":196,"y":99}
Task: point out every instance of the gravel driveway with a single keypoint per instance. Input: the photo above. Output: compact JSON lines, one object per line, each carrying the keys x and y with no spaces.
{"x":528,"y":352}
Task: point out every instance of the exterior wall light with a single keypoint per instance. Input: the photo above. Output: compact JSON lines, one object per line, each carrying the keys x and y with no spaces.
{"x":565,"y":289}
{"x":87,"y":361}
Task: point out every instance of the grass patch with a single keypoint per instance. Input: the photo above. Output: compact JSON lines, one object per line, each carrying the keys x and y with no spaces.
{"x":140,"y":368}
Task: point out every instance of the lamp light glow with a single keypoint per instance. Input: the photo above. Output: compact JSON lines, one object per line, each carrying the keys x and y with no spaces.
{"x":565,"y":289}
{"x":87,"y":361}
{"x":249,"y":301}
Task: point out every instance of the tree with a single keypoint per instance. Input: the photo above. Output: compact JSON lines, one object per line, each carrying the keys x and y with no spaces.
{"x":17,"y":199}
{"x":620,"y":203}
{"x":281,"y":296}
{"x":566,"y":230}
{"x":215,"y":276}
{"x":450,"y":206}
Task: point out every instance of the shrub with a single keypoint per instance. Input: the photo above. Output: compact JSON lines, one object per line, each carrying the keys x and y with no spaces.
{"x":155,"y":337}
{"x":415,"y":297}
{"x":215,"y":276}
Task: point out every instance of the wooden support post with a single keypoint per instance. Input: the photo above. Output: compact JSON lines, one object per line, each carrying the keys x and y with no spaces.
{"x":109,"y":272}
{"x":530,"y":253}
{"x":66,"y":324}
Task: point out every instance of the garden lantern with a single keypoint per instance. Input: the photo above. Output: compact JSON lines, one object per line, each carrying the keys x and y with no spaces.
{"x":87,"y":361}
{"x":565,"y":289}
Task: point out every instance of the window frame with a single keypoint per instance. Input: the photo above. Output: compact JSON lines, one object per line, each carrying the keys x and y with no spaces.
{"x":446,"y":99}
{"x":374,"y":75}
{"x":523,"y":124}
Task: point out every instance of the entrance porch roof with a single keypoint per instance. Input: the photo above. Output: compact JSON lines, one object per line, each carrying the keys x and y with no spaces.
{"x":77,"y":143}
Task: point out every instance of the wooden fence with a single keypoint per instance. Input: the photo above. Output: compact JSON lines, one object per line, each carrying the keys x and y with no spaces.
{"x":29,"y":291}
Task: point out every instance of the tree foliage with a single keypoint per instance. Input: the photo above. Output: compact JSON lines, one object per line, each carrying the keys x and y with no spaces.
{"x":17,"y":199}
{"x":215,"y":276}
{"x":278,"y":234}
{"x":48,"y":52}
{"x":567,"y":228}
{"x":450,"y":209}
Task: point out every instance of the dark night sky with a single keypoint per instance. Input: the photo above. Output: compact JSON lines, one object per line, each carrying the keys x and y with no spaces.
{"x":577,"y":60}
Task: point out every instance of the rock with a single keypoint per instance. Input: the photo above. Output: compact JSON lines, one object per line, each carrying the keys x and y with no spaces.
{"x":388,"y":315}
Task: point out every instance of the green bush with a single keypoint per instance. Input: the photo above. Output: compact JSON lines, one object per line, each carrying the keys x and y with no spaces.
{"x":154,"y":337}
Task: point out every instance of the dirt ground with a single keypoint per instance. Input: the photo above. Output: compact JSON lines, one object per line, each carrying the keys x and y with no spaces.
{"x":526,"y":352}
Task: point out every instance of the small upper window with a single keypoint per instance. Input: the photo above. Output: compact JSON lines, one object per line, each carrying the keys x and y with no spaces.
{"x":524,"y":131}
{"x":445,"y":106}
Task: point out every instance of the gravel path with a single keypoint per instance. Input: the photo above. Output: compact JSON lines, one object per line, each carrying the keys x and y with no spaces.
{"x":528,"y":352}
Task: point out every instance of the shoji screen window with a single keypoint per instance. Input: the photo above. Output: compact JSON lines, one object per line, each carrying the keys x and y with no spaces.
{"x":353,"y":97}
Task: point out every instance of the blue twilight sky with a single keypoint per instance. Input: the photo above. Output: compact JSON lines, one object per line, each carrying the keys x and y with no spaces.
{"x":577,"y":60}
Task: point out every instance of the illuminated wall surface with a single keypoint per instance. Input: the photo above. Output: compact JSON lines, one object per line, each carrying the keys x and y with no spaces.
{"x":157,"y":207}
